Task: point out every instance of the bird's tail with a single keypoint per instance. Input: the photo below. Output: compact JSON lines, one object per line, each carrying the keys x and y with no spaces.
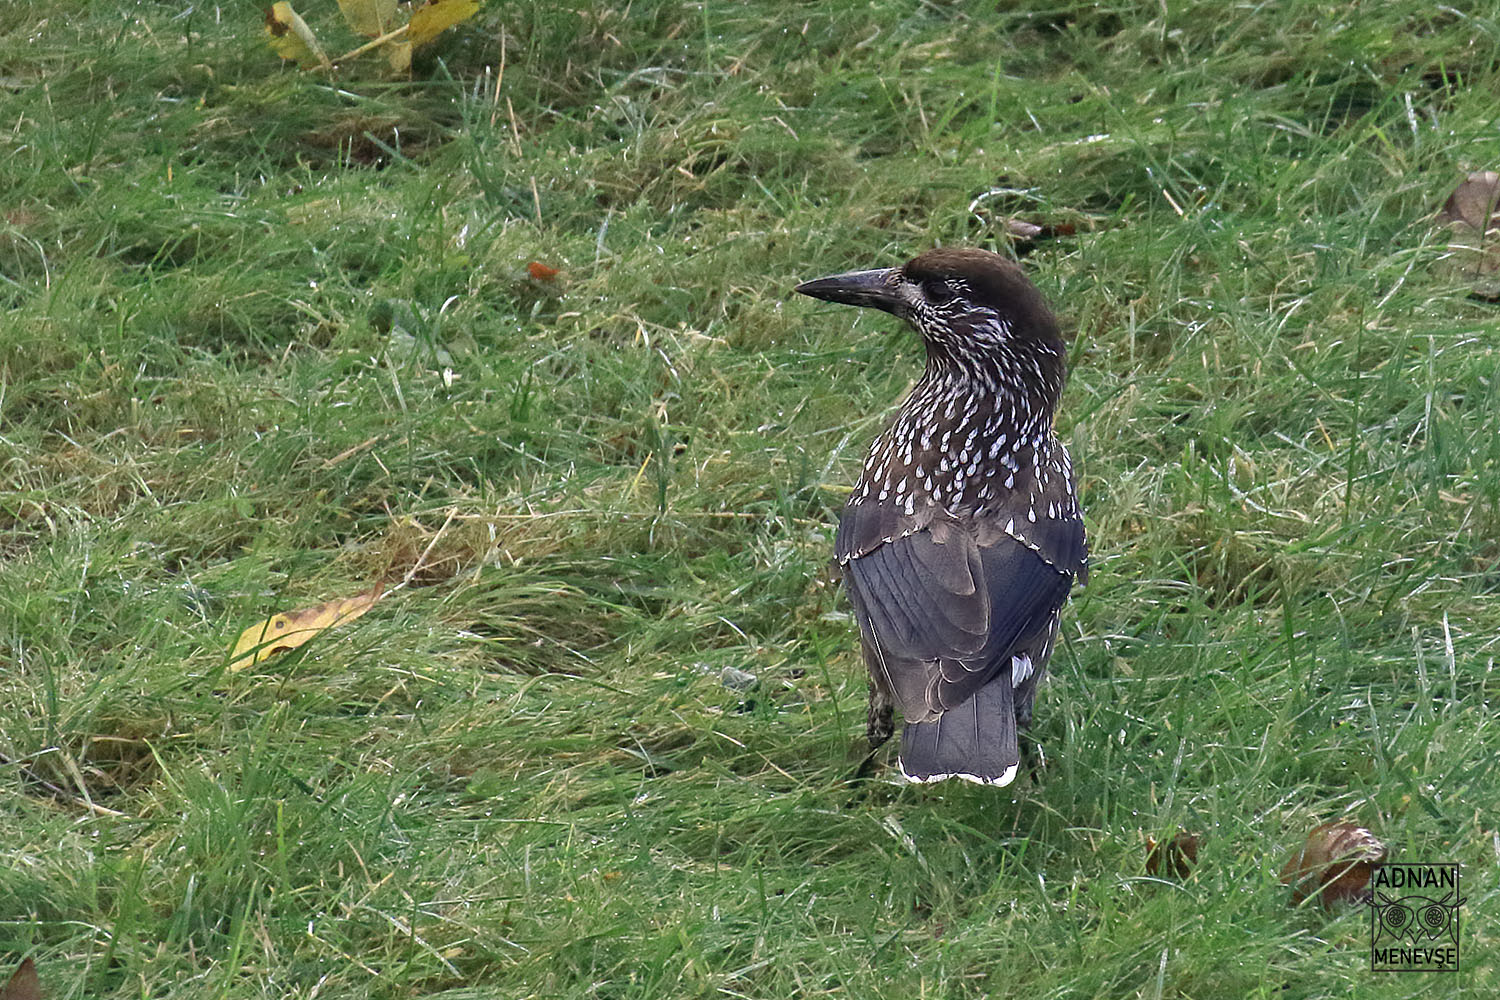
{"x":975,"y":741}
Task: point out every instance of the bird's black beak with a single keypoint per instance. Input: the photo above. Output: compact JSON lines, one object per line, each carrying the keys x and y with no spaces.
{"x":877,"y":288}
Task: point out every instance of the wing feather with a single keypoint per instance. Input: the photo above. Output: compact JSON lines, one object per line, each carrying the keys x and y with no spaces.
{"x":945,"y":605}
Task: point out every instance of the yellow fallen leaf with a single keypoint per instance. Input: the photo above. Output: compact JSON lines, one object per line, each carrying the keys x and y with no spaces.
{"x":292,"y":38}
{"x":436,"y":16}
{"x":291,"y":629}
{"x":369,"y":17}
{"x":398,"y":56}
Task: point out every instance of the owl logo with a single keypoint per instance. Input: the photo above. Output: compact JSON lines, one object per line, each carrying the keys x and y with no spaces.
{"x":1416,"y":918}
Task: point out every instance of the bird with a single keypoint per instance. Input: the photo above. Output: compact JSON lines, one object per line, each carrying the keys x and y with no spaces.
{"x":963,"y":535}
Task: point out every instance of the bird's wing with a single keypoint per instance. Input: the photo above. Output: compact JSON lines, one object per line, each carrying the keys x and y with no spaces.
{"x":941,"y":605}
{"x":1058,"y":540}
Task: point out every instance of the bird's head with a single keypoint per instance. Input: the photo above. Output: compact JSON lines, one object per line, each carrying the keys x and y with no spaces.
{"x":965,"y":303}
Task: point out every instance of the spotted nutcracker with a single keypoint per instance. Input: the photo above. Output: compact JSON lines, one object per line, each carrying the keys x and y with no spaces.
{"x":963,"y":535}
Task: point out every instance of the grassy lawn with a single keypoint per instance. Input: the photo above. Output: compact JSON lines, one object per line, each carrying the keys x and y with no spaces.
{"x":269,"y":338}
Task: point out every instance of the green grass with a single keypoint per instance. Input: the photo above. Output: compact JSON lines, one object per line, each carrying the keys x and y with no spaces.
{"x":266,"y":339}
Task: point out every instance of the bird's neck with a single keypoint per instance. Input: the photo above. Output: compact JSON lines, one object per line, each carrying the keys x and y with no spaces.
{"x":1020,"y":381}
{"x":967,"y":436}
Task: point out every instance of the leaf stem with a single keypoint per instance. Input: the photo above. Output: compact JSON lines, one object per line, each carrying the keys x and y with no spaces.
{"x":372,"y":44}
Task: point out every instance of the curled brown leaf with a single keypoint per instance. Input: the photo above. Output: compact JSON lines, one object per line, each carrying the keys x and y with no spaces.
{"x":1334,"y":864}
{"x":1174,"y":857}
{"x":24,"y":984}
{"x":1475,"y":201}
{"x":1472,"y":213}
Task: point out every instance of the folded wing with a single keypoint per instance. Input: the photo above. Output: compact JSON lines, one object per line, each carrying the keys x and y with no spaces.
{"x":942,"y":605}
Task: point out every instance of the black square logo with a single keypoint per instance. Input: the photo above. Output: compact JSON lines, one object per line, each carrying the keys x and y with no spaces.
{"x":1414,"y":911}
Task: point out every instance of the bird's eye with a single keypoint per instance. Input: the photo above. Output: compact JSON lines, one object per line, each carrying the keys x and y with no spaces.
{"x":939,"y":293}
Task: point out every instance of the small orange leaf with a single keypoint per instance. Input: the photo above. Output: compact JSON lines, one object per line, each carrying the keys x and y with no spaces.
{"x":436,"y":16}
{"x":1172,"y":857}
{"x":24,"y":985}
{"x":1335,"y":864}
{"x":541,"y":272}
{"x":292,"y":39}
{"x":291,"y":629}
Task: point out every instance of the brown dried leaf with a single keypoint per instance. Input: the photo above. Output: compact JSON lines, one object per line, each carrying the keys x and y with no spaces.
{"x":1022,"y":230}
{"x":1472,"y":213}
{"x":1335,"y":864}
{"x":1173,"y":857}
{"x":1474,"y":201}
{"x":436,"y":16}
{"x":291,"y":629}
{"x":292,"y":39}
{"x":24,"y":984}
